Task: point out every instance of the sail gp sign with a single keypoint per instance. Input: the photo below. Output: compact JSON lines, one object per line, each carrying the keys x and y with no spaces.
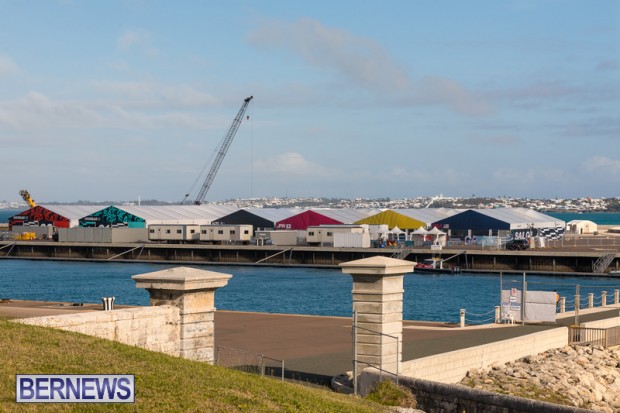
{"x":75,"y":388}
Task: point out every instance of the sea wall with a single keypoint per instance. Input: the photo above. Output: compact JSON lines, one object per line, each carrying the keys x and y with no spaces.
{"x":561,"y":260}
{"x":451,"y":367}
{"x":152,"y":328}
{"x":444,"y":398}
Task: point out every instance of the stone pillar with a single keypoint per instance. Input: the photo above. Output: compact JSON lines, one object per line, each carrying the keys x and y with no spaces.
{"x":193,"y":292}
{"x":562,"y":305}
{"x":590,"y":300}
{"x":616,"y":297}
{"x":378,"y":303}
{"x":604,"y":299}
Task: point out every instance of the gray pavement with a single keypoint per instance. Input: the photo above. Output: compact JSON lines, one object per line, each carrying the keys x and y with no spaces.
{"x":322,"y":346}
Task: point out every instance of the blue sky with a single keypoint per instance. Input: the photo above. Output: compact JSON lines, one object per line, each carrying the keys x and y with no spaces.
{"x":117,"y":100}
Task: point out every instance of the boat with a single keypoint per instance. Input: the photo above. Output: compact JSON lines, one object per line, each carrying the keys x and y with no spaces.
{"x":436,"y":265}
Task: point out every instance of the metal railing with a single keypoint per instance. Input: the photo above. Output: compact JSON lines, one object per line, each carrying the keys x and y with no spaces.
{"x":249,"y":362}
{"x":603,"y":262}
{"x":605,"y":337}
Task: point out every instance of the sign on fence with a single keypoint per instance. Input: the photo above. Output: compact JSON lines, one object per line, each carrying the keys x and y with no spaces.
{"x":538,"y":306}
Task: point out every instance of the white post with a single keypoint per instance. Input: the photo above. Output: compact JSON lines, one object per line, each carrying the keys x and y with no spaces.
{"x":562,"y":304}
{"x":590,"y":300}
{"x":604,"y":299}
{"x":193,"y":292}
{"x":378,"y":303}
{"x":498,"y":314}
{"x":462,"y":314}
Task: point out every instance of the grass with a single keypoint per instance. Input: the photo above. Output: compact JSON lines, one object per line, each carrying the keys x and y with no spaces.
{"x":163,"y":383}
{"x":388,"y":393}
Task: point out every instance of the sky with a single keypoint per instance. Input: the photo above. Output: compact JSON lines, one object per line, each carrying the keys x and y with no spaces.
{"x":129,"y":99}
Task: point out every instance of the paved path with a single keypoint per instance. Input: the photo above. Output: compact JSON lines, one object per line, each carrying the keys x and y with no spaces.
{"x":322,"y":346}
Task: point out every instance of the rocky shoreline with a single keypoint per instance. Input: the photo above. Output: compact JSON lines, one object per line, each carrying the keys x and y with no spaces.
{"x":581,"y":376}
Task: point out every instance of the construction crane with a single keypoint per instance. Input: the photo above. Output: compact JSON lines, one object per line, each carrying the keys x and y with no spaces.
{"x":221,"y":153}
{"x":26,"y":197}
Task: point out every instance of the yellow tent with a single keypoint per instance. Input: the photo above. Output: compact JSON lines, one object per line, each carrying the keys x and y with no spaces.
{"x":392,"y":219}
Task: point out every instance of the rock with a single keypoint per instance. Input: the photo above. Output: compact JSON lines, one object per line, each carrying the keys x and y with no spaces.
{"x":582,"y":360}
{"x":586,"y":376}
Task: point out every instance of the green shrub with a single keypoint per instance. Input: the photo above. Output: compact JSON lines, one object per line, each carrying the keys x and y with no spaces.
{"x":388,"y":393}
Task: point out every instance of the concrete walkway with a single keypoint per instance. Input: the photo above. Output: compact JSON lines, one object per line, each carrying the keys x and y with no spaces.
{"x":322,"y":346}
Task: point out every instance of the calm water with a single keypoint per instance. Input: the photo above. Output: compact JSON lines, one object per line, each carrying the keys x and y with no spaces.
{"x":600,"y":218}
{"x":280,"y":290}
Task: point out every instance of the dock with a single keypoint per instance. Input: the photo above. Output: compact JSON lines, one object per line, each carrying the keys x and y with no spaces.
{"x":565,"y":260}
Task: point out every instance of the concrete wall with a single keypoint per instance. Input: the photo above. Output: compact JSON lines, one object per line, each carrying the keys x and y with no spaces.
{"x":452,"y":367}
{"x":151,"y":328}
{"x":439,"y":398}
{"x":607,"y":323}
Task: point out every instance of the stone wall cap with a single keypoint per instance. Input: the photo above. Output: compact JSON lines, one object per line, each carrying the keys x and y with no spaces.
{"x":377,"y":265}
{"x":181,"y":278}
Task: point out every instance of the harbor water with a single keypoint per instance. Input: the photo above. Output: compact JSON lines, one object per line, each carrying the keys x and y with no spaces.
{"x":428,"y":297}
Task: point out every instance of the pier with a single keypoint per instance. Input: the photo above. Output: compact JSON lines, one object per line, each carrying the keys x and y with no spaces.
{"x":468,"y":259}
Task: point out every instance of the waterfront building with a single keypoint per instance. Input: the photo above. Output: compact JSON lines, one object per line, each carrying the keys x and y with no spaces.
{"x":516,"y":222}
{"x":259,"y":218}
{"x":315,"y":217}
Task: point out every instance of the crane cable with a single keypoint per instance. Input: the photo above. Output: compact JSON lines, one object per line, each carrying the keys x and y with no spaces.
{"x":200,"y":178}
{"x":252,"y":151}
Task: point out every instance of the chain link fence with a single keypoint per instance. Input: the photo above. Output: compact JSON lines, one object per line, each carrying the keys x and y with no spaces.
{"x":249,"y":362}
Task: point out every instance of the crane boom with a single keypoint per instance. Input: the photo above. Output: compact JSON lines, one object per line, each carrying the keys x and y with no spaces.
{"x":221,"y":152}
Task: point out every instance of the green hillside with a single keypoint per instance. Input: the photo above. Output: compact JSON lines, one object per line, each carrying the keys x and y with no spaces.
{"x":163,"y":383}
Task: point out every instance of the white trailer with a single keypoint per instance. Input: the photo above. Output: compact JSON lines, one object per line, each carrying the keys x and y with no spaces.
{"x":174,"y":232}
{"x":277,"y":237}
{"x":324,"y":234}
{"x":351,"y":240}
{"x":102,"y":235}
{"x":224,"y":234}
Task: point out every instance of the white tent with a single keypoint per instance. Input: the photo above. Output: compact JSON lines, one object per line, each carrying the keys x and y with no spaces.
{"x":439,"y":237}
{"x":396,"y":233}
{"x":419,"y":236}
{"x":420,"y":231}
{"x":580,"y":226}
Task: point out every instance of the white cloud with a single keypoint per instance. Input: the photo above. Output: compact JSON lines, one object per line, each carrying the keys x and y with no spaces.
{"x":531,"y":176}
{"x":36,"y":111}
{"x":361,"y":60}
{"x":137,"y":40}
{"x":443,"y":91}
{"x":496,"y":140}
{"x":602,"y":164}
{"x":291,"y":163}
{"x":7,"y":66}
{"x":365,"y":64}
{"x":150,"y":94}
